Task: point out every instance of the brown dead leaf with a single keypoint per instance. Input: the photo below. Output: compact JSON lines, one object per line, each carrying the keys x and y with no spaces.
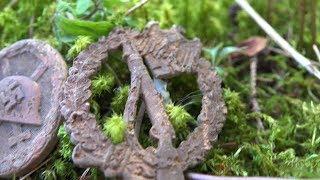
{"x":252,"y":46}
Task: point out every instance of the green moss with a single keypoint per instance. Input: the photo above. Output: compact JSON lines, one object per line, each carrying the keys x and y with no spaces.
{"x":179,"y":117}
{"x":119,"y":100}
{"x":81,"y":43}
{"x":65,"y":145}
{"x":115,"y":128}
{"x":60,"y":167}
{"x":288,"y":96}
{"x":181,"y":121}
{"x":102,"y":83}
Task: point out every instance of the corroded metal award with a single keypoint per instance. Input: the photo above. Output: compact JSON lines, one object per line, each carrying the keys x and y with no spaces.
{"x":32,"y":74}
{"x":163,"y":53}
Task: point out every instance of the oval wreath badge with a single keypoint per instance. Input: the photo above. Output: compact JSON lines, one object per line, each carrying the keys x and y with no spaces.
{"x":166,"y":53}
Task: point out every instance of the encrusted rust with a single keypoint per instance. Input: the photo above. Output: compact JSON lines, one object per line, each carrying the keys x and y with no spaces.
{"x":19,"y":100}
{"x":32,"y":74}
{"x":166,"y":53}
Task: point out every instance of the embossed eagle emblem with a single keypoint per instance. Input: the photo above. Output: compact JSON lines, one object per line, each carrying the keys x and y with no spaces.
{"x":19,"y":100}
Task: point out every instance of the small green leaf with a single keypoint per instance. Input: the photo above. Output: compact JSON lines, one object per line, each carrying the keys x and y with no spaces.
{"x":69,"y":29}
{"x":63,"y":6}
{"x":83,"y":6}
{"x":236,"y":154}
{"x":213,"y":52}
{"x":226,"y":51}
{"x":219,"y":70}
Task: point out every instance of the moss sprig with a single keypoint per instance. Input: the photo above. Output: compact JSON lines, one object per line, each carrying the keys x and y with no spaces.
{"x":81,"y":43}
{"x":119,"y":100}
{"x":65,"y":145}
{"x":115,"y":128}
{"x":102,"y":83}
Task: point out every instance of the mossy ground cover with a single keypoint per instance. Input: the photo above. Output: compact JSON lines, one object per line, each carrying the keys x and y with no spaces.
{"x":288,"y":146}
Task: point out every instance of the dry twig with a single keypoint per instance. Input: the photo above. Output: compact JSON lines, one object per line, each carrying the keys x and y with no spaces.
{"x":137,"y":6}
{"x":316,"y":50}
{"x":84,"y":174}
{"x":35,"y":169}
{"x":139,"y":119}
{"x":253,"y":85}
{"x":12,"y":3}
{"x":31,"y":26}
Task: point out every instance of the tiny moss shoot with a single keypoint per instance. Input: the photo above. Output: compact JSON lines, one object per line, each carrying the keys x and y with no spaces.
{"x":60,"y":167}
{"x":181,"y":121}
{"x":119,"y":100}
{"x":179,"y":117}
{"x":115,"y":128}
{"x":102,"y":83}
{"x":81,"y":43}
{"x":65,"y":144}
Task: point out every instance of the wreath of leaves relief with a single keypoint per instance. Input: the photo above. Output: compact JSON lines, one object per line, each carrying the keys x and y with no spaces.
{"x":166,"y":53}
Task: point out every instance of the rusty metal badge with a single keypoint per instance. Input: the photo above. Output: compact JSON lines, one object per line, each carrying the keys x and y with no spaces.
{"x":31,"y":77}
{"x":164,"y":53}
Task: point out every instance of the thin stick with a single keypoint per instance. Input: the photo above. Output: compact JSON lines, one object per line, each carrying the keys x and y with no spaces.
{"x":139,"y":119}
{"x":35,"y":169}
{"x":314,"y":19}
{"x":137,"y":6}
{"x":84,"y":174}
{"x":114,"y":74}
{"x":12,"y":3}
{"x":253,"y":84}
{"x":279,"y":51}
{"x":316,"y":50}
{"x":302,"y":20}
{"x":305,"y":62}
{"x":31,"y":24}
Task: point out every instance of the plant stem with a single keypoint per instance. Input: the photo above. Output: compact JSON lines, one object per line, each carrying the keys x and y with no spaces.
{"x":114,"y":74}
{"x":12,"y":3}
{"x":270,"y":10}
{"x":35,"y":169}
{"x":253,"y":85}
{"x":316,"y":50}
{"x":84,"y":174}
{"x":137,"y":6}
{"x":302,"y":20}
{"x":31,"y":25}
{"x":314,"y":21}
{"x":139,"y":119}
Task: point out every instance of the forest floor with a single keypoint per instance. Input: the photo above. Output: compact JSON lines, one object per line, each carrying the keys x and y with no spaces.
{"x":273,"y":120}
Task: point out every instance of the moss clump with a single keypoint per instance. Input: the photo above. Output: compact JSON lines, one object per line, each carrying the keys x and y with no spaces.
{"x":65,"y":145}
{"x":102,"y":83}
{"x":115,"y":128}
{"x":288,"y":96}
{"x":179,"y":117}
{"x":119,"y":100}
{"x":81,"y":43}
{"x":181,"y":121}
